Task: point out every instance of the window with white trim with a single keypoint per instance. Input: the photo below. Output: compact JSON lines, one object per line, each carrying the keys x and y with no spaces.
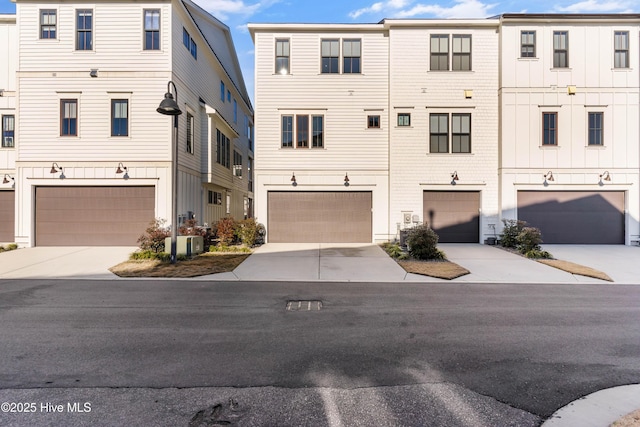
{"x":48,"y":23}
{"x":308,"y":130}
{"x":459,"y":133}
{"x":621,"y":49}
{"x":8,"y":130}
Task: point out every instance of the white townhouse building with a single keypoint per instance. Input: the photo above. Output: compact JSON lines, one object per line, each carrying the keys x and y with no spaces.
{"x":322,"y":132}
{"x":365,"y":129}
{"x":570,"y":125}
{"x":93,"y":156}
{"x":8,"y":65}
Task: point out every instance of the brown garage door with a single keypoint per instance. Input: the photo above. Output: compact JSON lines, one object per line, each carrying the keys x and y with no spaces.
{"x":453,"y":215}
{"x":319,"y":217}
{"x":575,"y":217}
{"x":7,"y":215}
{"x":92,"y":216}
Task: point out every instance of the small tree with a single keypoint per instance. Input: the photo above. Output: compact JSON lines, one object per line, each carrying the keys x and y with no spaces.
{"x":422,"y":242}
{"x":512,"y":228}
{"x":247,"y":231}
{"x":226,"y":229}
{"x":154,"y":235}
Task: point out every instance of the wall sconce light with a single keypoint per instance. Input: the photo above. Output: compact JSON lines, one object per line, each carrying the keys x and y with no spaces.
{"x":123,"y":168}
{"x":454,"y":177}
{"x":55,"y":168}
{"x":93,"y":72}
{"x":548,"y":176}
{"x":571,"y":90}
{"x":346,"y":180}
{"x":6,"y":179}
{"x":468,"y":94}
{"x":604,"y":177}
{"x":293,"y":179}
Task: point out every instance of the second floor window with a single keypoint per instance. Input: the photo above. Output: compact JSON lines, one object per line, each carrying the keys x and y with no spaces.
{"x":282,"y":56}
{"x":595,"y":128}
{"x":527,"y":44}
{"x":330,"y":56}
{"x":48,"y":24}
{"x":84,"y":29}
{"x":549,"y":128}
{"x":351,"y":56}
{"x":237,"y":164}
{"x":68,"y":117}
{"x":306,"y":128}
{"x":152,"y":29}
{"x":404,"y":119}
{"x":8,"y":130}
{"x":223,"y":149}
{"x":560,"y":49}
{"x":189,"y":147}
{"x":460,"y":135}
{"x":461,"y":52}
{"x":373,"y":122}
{"x":621,"y":49}
{"x":119,"y":117}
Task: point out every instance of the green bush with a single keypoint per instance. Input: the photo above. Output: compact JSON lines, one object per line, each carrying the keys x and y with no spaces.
{"x":226,"y":230}
{"x":225,"y":248}
{"x":529,"y":239}
{"x":422,"y":242}
{"x":154,"y":235}
{"x":394,"y":250}
{"x":512,"y":228}
{"x":247,"y":231}
{"x":150,"y":254}
{"x":538,"y":254}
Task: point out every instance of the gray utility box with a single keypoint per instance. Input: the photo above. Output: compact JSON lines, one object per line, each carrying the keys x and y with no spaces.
{"x":185,"y":245}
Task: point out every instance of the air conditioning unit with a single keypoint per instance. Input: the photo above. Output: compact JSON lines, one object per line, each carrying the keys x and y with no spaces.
{"x":8,"y":141}
{"x":185,"y":245}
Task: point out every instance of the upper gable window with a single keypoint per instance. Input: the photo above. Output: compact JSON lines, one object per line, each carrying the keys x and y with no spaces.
{"x":188,"y":42}
{"x":84,"y":29}
{"x":621,"y":49}
{"x":152,"y":29}
{"x":560,"y":49}
{"x":527,"y":44}
{"x":282,"y":56}
{"x":330,"y":56}
{"x":351,"y":56}
{"x":48,"y":24}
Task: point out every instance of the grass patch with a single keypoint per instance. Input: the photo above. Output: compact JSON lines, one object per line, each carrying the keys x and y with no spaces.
{"x":207,"y":263}
{"x":9,"y":247}
{"x":440,"y":269}
{"x":574,"y":268}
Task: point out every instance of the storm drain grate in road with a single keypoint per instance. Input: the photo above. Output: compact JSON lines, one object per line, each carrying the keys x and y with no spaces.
{"x":304,"y":305}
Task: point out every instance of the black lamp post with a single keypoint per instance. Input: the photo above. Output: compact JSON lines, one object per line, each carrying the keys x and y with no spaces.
{"x":169,"y":107}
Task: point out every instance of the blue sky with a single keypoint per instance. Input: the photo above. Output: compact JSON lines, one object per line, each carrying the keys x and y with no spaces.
{"x":237,"y":13}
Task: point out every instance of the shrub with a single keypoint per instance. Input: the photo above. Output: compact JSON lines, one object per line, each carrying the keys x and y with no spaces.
{"x":538,"y":254}
{"x":154,"y":235}
{"x":422,"y":242}
{"x":529,"y":239}
{"x":247,"y":231}
{"x":394,"y":250}
{"x":226,"y":229}
{"x":190,"y":228}
{"x":512,"y":228}
{"x":224,"y":248}
{"x":160,"y":256}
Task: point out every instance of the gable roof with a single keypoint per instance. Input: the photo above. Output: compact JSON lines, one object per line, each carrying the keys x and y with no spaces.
{"x":218,"y":37}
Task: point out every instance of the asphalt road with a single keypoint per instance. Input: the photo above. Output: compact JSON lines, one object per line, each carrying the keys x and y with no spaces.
{"x":204,"y":354}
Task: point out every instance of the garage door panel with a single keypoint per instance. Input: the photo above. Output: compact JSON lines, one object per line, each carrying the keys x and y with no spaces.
{"x":574,"y":217}
{"x":92,"y":216}
{"x":453,"y":215}
{"x":319,"y":217}
{"x":7,"y":215}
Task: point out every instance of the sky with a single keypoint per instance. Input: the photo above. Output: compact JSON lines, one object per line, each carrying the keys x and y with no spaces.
{"x":237,"y":13}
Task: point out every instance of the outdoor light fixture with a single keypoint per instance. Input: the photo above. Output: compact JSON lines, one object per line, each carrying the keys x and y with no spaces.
{"x":548,"y":176}
{"x":55,"y":168}
{"x":454,"y":177}
{"x":346,"y":180}
{"x":123,"y":168}
{"x":6,"y":179}
{"x":571,"y":90}
{"x":604,"y":177}
{"x":293,"y":180}
{"x":93,"y":72}
{"x":169,"y":107}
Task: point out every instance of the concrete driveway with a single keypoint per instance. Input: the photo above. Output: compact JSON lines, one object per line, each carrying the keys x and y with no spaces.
{"x":62,"y":262}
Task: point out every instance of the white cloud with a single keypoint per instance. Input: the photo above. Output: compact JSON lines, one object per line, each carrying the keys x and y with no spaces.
{"x":389,"y":5}
{"x":222,"y":9}
{"x":594,"y":6}
{"x":399,"y":9}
